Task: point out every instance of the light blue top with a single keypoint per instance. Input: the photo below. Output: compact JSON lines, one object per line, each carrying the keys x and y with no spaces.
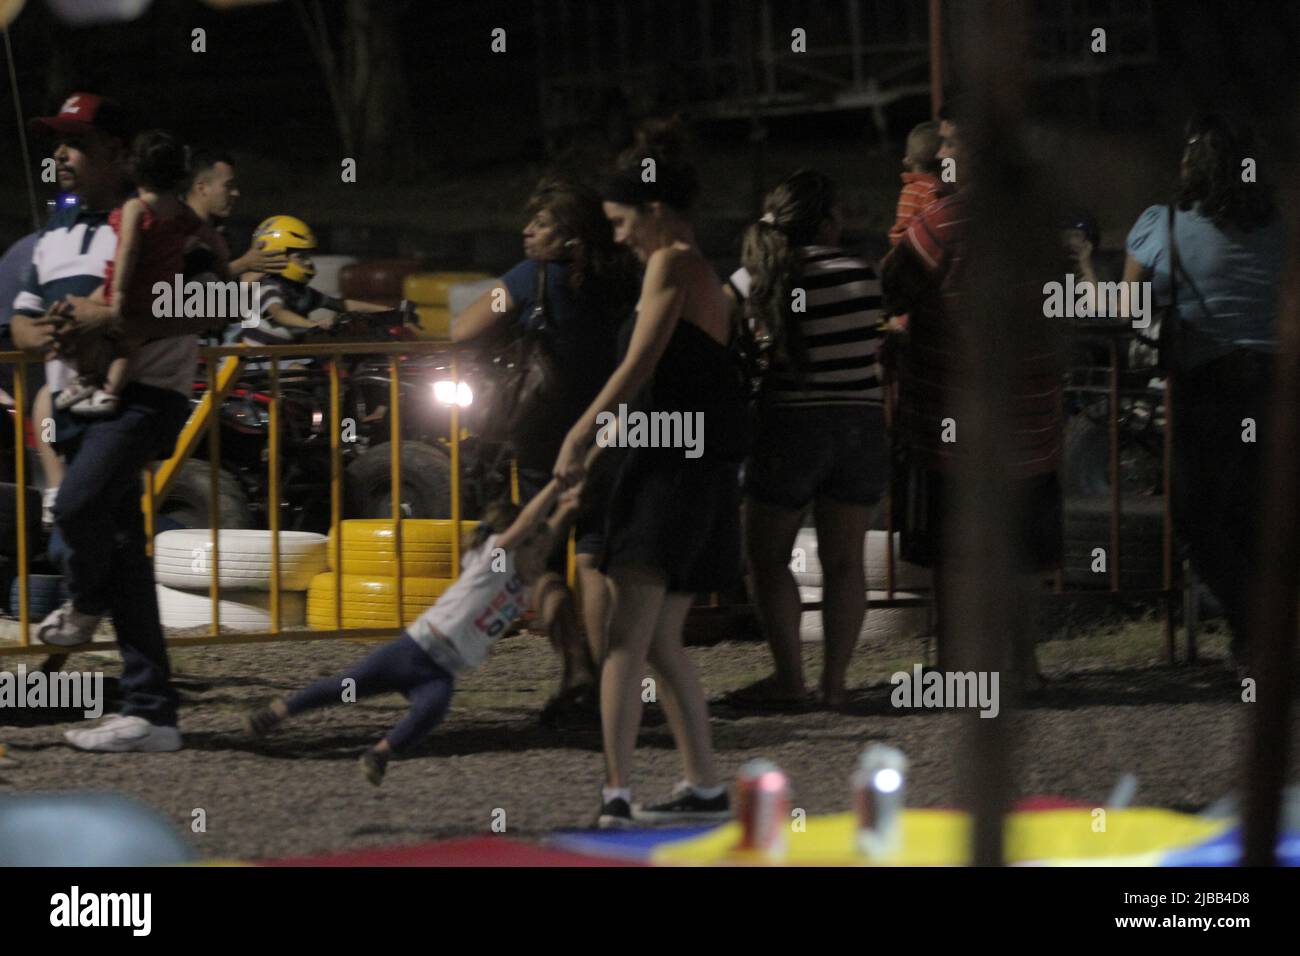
{"x":1236,"y":273}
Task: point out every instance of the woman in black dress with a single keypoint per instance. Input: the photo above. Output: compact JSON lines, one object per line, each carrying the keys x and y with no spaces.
{"x":674,"y":526}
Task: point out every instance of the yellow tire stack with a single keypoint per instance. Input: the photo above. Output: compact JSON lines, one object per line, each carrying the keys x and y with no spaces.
{"x":430,"y":291}
{"x":370,"y":569}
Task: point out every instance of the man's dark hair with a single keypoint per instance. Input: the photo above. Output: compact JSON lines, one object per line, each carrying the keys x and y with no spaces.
{"x":203,"y":161}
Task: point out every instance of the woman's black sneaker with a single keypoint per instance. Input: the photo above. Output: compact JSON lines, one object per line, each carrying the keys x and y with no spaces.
{"x":686,"y":807}
{"x":615,"y":814}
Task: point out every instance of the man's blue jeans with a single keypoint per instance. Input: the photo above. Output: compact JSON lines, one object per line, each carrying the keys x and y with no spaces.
{"x":97,"y":513}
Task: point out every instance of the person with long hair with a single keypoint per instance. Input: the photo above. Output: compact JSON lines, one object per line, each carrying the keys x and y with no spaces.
{"x":590,"y":288}
{"x":820,"y":437}
{"x":674,"y":520}
{"x":1224,"y":232}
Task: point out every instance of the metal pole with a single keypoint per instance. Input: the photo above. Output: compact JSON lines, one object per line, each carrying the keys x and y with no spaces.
{"x":273,"y":493}
{"x":395,"y":468}
{"x":1272,"y":616}
{"x":936,"y":57}
{"x":214,"y":499}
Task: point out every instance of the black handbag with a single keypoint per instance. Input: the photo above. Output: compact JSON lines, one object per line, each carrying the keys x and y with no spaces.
{"x":524,"y":381}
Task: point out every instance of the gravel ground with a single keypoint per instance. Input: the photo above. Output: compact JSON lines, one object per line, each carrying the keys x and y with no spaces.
{"x":1111,"y":707}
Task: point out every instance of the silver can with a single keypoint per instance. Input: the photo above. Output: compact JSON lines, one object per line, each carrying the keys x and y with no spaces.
{"x":878,"y":796}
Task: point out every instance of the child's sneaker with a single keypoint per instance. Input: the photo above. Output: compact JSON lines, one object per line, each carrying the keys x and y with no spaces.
{"x":687,"y":806}
{"x":73,"y":394}
{"x":374,"y":763}
{"x":260,"y":722}
{"x":99,"y":404}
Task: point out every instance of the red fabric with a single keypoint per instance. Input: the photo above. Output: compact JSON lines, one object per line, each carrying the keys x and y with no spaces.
{"x":161,"y":256}
{"x":934,"y":363}
{"x":469,"y":851}
{"x":919,"y":191}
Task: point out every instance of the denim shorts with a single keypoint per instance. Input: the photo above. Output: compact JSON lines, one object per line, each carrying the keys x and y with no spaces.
{"x":839,"y":452}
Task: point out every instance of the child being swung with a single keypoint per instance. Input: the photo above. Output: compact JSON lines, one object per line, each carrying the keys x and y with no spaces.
{"x":452,"y":636}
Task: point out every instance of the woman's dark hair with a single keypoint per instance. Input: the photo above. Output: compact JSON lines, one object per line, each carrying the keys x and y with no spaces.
{"x":158,"y":161}
{"x":594,"y":256}
{"x":676,"y":181}
{"x":1211,"y":174}
{"x":793,"y":214}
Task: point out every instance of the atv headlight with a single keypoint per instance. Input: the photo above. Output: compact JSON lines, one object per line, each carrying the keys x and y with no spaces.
{"x":448,"y":392}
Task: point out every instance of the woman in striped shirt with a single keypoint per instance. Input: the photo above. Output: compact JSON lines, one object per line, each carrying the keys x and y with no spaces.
{"x":820,"y":436}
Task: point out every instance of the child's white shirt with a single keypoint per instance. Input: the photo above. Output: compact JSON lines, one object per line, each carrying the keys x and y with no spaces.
{"x":489,"y":596}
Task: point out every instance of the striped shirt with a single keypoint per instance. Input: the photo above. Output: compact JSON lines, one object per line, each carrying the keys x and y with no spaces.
{"x":71,"y":256}
{"x":294,"y":296}
{"x":840,"y":330}
{"x":919,"y":190}
{"x":935,"y":361}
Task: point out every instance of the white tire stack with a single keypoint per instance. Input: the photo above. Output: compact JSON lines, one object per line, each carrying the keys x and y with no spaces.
{"x":183,"y":571}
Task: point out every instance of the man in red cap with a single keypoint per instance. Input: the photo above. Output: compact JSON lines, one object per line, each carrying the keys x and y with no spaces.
{"x":97,"y":512}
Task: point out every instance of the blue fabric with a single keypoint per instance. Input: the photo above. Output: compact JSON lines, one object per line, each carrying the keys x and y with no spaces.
{"x":14,"y":265}
{"x":634,"y":843}
{"x":583,"y":333}
{"x":73,"y":236}
{"x":105,"y":567}
{"x":1225,"y":850}
{"x":401,"y":665}
{"x":1236,"y":273}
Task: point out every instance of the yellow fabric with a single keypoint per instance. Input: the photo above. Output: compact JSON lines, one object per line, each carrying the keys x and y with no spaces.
{"x":434,"y":288}
{"x":1137,"y":836}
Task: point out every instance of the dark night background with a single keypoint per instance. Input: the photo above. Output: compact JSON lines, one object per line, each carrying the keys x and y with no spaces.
{"x":450,"y":136}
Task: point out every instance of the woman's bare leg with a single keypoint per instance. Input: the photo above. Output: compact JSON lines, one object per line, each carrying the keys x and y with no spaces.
{"x":841,"y":534}
{"x":681,"y":692}
{"x":770,"y":534}
{"x":638,"y":598}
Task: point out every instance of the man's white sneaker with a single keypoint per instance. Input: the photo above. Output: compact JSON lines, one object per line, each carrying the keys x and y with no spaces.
{"x":119,"y":734}
{"x":67,"y":627}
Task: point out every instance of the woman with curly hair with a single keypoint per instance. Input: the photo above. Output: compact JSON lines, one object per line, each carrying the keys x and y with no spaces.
{"x":1216,"y":252}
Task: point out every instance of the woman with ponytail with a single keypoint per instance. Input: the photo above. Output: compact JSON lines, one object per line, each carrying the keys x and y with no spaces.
{"x":820,"y":437}
{"x":674,"y":520}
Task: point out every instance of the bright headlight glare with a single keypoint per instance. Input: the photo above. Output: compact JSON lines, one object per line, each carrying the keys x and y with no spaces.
{"x":452,"y":393}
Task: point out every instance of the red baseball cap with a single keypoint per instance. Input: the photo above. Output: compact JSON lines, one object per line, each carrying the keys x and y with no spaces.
{"x":83,"y":113}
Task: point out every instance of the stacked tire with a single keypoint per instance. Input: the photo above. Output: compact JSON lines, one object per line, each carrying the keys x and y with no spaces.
{"x":367,"y":578}
{"x":433,"y":294}
{"x":183,"y":572}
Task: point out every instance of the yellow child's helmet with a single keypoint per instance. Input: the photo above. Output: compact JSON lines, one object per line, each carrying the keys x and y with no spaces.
{"x":288,"y":234}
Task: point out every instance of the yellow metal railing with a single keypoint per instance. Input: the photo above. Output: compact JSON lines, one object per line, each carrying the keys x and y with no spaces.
{"x":221,"y":379}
